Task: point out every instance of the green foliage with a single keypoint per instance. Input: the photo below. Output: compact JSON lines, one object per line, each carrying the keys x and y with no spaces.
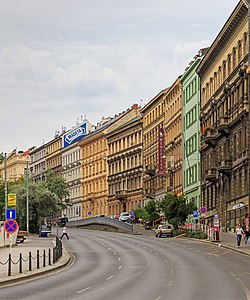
{"x":175,"y":209}
{"x":152,"y":210}
{"x":2,"y":201}
{"x":196,"y":235}
{"x":57,"y":185}
{"x":1,"y":157}
{"x":41,"y":203}
{"x":141,"y":214}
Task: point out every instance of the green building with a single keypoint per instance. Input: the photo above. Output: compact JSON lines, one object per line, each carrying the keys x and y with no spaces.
{"x":191,"y":131}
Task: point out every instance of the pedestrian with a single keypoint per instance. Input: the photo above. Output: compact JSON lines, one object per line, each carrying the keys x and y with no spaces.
{"x":64,"y":233}
{"x":247,"y":235}
{"x":239,"y":232}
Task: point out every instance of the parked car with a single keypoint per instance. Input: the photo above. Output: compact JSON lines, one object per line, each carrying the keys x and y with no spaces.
{"x":124,"y":217}
{"x":164,"y":230}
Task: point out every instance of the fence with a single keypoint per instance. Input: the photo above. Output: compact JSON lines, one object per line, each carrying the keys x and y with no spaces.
{"x":40,"y":260}
{"x":213,"y":232}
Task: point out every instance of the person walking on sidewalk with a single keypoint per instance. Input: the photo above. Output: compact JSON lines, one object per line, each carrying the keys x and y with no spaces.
{"x":247,"y":236}
{"x":239,"y":232}
{"x":64,"y":233}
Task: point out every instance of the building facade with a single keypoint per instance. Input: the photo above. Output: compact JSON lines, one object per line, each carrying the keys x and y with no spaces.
{"x":125,"y":171}
{"x":173,"y":137}
{"x":16,"y":164}
{"x":154,"y":183}
{"x":191,"y":131}
{"x":225,"y":123}
{"x":38,"y":166}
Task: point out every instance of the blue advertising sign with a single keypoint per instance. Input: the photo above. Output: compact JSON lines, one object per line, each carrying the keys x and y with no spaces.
{"x":10,"y":214}
{"x":74,"y":135}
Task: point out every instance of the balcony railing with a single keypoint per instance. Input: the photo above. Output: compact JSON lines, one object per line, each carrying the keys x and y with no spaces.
{"x":121,"y":195}
{"x":223,"y":126}
{"x":210,"y":175}
{"x":151,"y":170}
{"x":225,"y":166}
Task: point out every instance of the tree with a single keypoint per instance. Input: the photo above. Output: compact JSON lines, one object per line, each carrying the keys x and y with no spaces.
{"x":1,"y":157}
{"x":141,"y":213}
{"x":57,"y":184}
{"x":2,"y":200}
{"x":175,"y":209}
{"x":152,"y":209}
{"x":41,"y":203}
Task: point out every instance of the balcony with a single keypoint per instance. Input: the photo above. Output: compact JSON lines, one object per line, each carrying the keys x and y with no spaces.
{"x":225,"y":166}
{"x":223,"y":126}
{"x":150,"y":193}
{"x":121,"y":195}
{"x":151,"y":170}
{"x":91,"y":196}
{"x":210,"y":138}
{"x":210,"y":175}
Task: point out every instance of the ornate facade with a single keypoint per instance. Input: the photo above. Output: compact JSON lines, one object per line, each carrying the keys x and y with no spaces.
{"x":225,"y":123}
{"x":173,"y":137}
{"x":154,"y":186}
{"x":125,"y":173}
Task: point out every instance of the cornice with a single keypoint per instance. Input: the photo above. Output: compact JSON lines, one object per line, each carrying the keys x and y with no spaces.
{"x":230,"y":27}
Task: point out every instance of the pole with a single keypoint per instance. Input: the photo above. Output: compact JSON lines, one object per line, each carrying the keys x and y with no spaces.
{"x":5,"y":182}
{"x":27,"y":197}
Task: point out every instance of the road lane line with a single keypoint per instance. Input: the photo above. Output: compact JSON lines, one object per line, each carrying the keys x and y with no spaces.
{"x":166,"y":261}
{"x":84,"y":290}
{"x":119,"y":258}
{"x":120,"y":267}
{"x":158,"y":298}
{"x":157,"y":253}
{"x":170,"y":283}
{"x":115,"y":253}
{"x":232,"y":274}
{"x":172,"y":271}
{"x":110,"y":277}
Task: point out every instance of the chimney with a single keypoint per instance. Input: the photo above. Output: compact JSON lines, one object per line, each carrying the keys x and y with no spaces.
{"x":135,"y":106}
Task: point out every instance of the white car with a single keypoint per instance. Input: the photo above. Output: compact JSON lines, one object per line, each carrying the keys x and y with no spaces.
{"x":124,"y":217}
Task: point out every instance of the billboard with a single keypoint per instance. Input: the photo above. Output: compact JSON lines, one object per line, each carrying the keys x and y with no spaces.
{"x":161,"y":152}
{"x":74,"y":135}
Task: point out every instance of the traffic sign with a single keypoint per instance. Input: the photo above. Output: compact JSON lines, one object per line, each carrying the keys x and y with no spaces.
{"x":132,"y":217}
{"x":216,"y":216}
{"x":10,"y":214}
{"x":11,"y":199}
{"x":89,"y":213}
{"x":195,"y":213}
{"x":10,"y":226}
{"x":203,"y":209}
{"x":132,"y":212}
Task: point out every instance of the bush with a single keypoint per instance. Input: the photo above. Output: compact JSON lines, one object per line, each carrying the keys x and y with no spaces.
{"x":196,"y":235}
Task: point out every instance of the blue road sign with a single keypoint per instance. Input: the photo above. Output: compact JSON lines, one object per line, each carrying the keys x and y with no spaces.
{"x":195,"y":213}
{"x":89,"y":213}
{"x":10,"y":214}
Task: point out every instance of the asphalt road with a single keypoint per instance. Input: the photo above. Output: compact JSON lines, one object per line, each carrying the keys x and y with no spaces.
{"x":112,"y":266}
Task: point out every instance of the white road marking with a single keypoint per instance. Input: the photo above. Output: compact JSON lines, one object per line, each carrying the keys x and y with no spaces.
{"x":110,"y":277}
{"x":119,"y":258}
{"x":232,"y":274}
{"x":170,"y":283}
{"x":197,"y":251}
{"x":120,"y":267}
{"x":115,"y":253}
{"x":158,"y":298}
{"x":183,"y":246}
{"x":84,"y":290}
{"x":156,"y":253}
{"x":172,"y":271}
{"x":166,"y":261}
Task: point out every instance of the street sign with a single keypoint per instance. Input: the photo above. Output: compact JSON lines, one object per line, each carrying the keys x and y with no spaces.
{"x":10,"y":214}
{"x":10,"y":226}
{"x":11,"y":199}
{"x":89,"y":213}
{"x":132,"y":217}
{"x":203,"y":209}
{"x":216,"y":216}
{"x":132,"y":212}
{"x":195,"y":213}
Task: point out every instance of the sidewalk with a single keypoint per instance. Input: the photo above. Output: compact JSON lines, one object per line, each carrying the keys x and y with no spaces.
{"x":228,"y":240}
{"x":31,"y":244}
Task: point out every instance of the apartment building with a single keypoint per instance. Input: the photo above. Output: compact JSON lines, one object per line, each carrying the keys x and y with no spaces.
{"x":225,"y":122}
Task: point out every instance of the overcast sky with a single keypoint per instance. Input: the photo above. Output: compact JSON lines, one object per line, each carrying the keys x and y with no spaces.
{"x":63,"y":59}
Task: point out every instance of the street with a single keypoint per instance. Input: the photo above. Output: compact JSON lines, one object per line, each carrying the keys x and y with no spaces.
{"x":122,"y":266}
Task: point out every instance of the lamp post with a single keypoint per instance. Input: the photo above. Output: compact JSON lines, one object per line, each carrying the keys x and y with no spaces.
{"x":27,"y":197}
{"x":5,"y":183}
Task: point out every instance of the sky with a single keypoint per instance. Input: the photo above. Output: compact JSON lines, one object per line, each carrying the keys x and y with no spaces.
{"x":63,"y":60}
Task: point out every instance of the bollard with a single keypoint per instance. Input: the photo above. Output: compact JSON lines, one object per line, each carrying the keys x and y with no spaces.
{"x":9,"y":266}
{"x":20,"y":263}
{"x":30,"y":263}
{"x":49,"y":257}
{"x":37,"y":259}
{"x":44,"y":256}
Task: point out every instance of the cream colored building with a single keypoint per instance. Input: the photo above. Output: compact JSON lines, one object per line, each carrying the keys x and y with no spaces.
{"x":16,"y":163}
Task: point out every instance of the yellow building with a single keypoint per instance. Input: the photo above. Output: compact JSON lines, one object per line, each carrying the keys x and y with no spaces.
{"x":16,"y":163}
{"x":173,"y":137}
{"x":53,"y":154}
{"x":154,"y":186}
